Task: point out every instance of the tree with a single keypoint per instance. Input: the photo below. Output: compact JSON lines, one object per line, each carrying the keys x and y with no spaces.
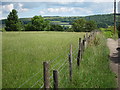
{"x":56,"y":27}
{"x":78,"y":25}
{"x":102,"y":25}
{"x":39,"y":24}
{"x":13,"y":23}
{"x":28,"y":27}
{"x":81,"y":25}
{"x":90,"y":25}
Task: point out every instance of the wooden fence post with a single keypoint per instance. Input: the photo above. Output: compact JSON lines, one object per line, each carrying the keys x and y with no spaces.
{"x":70,"y":63}
{"x":55,"y":77}
{"x":79,"y":43}
{"x":86,"y":40}
{"x":79,"y":53}
{"x":83,"y":42}
{"x":46,"y":75}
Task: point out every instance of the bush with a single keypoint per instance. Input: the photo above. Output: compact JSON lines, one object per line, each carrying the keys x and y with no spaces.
{"x":81,"y":25}
{"x":56,"y":27}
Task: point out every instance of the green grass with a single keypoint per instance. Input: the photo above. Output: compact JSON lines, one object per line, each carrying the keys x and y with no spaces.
{"x":0,"y":29}
{"x":109,"y":32}
{"x":94,"y":70}
{"x":0,"y":60}
{"x":61,"y":23}
{"x":24,"y":53}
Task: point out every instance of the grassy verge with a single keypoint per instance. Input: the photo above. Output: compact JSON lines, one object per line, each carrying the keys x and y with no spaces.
{"x":108,"y":32}
{"x":94,"y":71}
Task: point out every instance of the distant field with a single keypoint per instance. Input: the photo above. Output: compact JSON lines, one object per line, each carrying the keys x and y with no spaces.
{"x":24,"y":53}
{"x":61,"y":23}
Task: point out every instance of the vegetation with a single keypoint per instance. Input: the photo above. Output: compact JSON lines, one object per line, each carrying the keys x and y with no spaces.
{"x":12,"y":22}
{"x":109,"y":32}
{"x":24,"y":53}
{"x":0,"y":60}
{"x":56,"y":27}
{"x":38,"y":24}
{"x":102,"y":21}
{"x":81,"y":25}
{"x":94,"y":71}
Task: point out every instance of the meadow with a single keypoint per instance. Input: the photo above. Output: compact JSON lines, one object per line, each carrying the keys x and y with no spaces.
{"x":0,"y":60}
{"x":23,"y":54}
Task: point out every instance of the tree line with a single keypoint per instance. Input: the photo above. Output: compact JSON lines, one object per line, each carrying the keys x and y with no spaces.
{"x":38,"y":23}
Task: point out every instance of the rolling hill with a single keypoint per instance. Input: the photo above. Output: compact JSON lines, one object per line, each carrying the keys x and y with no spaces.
{"x":102,"y":20}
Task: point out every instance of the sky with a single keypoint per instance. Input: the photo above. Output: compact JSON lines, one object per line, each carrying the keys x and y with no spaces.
{"x":55,"y":8}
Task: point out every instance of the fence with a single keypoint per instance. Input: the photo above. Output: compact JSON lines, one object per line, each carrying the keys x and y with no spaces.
{"x":52,"y":76}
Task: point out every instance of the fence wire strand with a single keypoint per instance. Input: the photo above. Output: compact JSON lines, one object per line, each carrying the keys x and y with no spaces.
{"x":29,"y":79}
{"x":37,"y":82}
{"x":74,"y":53}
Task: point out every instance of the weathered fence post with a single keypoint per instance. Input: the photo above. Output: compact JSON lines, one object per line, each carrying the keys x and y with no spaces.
{"x":86,"y":42}
{"x":55,"y":77}
{"x":83,"y":43}
{"x":79,"y":53}
{"x":70,"y":63}
{"x":46,"y":75}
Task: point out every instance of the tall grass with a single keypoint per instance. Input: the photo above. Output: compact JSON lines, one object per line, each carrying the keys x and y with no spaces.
{"x":94,"y":70}
{"x":24,"y":53}
{"x":0,"y":60}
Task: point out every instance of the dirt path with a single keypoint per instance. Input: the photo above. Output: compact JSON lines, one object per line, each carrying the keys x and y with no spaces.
{"x":114,"y":57}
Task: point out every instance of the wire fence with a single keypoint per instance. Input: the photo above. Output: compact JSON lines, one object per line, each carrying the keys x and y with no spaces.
{"x":62,"y":65}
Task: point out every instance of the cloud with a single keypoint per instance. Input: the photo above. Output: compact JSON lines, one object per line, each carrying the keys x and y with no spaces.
{"x":21,"y":9}
{"x":42,"y":12}
{"x":119,"y":7}
{"x":61,"y":9}
{"x":0,"y":12}
{"x":7,"y":8}
{"x":67,"y":10}
{"x":108,"y":10}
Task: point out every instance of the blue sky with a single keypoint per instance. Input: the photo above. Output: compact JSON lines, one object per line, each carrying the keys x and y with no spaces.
{"x":30,"y":9}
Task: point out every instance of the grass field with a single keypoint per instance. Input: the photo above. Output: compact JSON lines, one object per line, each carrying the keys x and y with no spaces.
{"x":0,"y":60}
{"x":24,"y":53}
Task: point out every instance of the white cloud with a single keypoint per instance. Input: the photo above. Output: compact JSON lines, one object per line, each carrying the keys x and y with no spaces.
{"x":21,"y":9}
{"x":0,"y":12}
{"x":42,"y":12}
{"x":8,"y":8}
{"x":108,"y":10}
{"x":66,"y":10}
{"x":62,"y":9}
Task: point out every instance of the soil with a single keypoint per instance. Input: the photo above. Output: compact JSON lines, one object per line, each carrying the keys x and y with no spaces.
{"x":114,"y":46}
